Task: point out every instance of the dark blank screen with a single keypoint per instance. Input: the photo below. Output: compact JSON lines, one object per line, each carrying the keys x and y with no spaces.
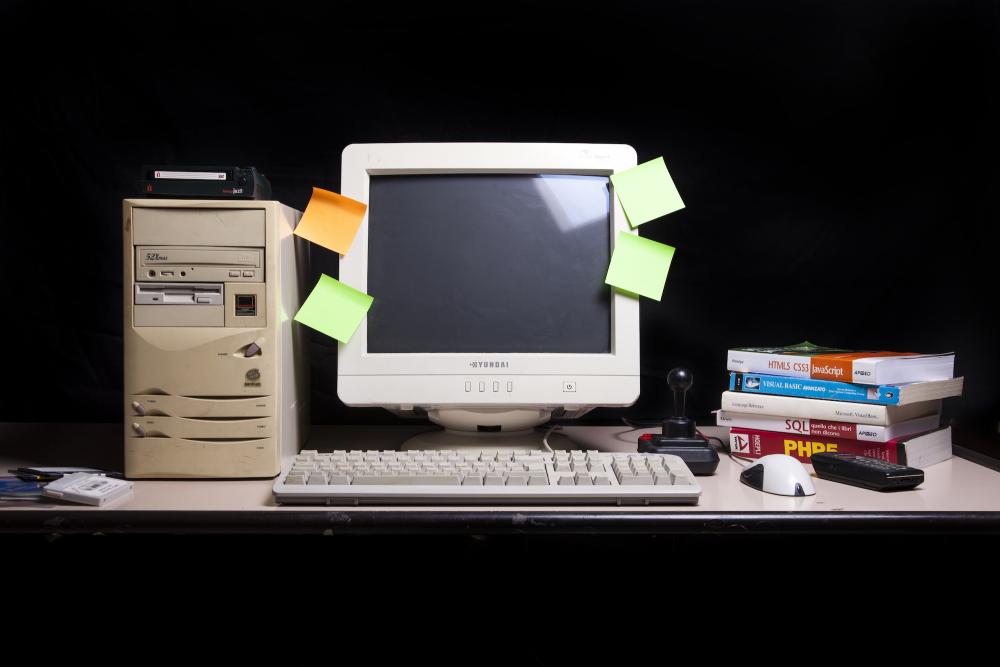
{"x":489,"y":263}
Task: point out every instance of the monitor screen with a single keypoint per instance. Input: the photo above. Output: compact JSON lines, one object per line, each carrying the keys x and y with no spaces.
{"x":489,"y":263}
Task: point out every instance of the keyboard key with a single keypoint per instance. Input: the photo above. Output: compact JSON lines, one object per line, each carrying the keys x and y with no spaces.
{"x":517,"y":479}
{"x":538,"y":479}
{"x":410,"y":480}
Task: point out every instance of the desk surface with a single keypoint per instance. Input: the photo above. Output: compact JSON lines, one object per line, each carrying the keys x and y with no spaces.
{"x":957,"y":496}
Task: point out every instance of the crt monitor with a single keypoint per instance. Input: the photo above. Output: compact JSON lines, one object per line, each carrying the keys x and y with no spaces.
{"x":487,"y":263}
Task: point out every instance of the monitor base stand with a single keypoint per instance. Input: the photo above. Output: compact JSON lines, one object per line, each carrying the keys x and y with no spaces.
{"x":505,"y":419}
{"x":471,"y":440}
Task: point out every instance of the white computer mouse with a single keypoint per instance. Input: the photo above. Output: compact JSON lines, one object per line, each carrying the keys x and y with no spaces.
{"x":780,"y":474}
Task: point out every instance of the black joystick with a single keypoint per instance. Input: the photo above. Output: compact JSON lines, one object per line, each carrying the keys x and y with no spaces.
{"x":679,"y":435}
{"x":678,"y":426}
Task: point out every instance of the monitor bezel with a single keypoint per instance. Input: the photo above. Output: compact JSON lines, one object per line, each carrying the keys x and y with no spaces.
{"x":361,"y":161}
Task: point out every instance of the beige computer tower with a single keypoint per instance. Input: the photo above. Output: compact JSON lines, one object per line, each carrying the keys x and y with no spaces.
{"x":216,"y":381}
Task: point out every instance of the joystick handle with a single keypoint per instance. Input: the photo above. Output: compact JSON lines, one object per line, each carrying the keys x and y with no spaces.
{"x":680,"y":380}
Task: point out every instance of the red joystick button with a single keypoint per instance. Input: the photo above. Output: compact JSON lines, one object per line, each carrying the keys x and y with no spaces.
{"x":646,"y":437}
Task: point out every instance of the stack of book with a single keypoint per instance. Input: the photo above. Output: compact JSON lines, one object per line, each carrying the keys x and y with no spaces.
{"x":804,"y":399}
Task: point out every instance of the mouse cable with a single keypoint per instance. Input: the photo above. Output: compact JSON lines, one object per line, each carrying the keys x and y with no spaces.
{"x":722,"y":444}
{"x":740,"y":461}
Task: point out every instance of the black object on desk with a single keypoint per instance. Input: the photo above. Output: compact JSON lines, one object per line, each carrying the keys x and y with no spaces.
{"x":679,"y":435}
{"x":50,"y":473}
{"x":865,"y":471}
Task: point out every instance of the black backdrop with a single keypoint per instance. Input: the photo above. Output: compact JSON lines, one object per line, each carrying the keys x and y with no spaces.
{"x":837,"y":159}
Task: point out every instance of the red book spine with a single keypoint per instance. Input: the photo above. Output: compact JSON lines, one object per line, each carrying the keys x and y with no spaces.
{"x":751,"y":443}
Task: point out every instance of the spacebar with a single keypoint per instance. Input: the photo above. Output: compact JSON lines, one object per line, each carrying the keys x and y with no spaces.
{"x":416,"y":480}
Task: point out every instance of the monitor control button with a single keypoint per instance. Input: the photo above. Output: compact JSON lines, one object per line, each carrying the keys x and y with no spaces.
{"x":496,"y":386}
{"x":569,"y":385}
{"x":138,"y":429}
{"x":510,"y":386}
{"x":234,"y":274}
{"x":252,"y":349}
{"x":482,"y":385}
{"x":468,"y":385}
{"x":139,"y":409}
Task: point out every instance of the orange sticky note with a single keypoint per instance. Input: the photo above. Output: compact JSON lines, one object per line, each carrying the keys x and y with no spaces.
{"x":331,"y":220}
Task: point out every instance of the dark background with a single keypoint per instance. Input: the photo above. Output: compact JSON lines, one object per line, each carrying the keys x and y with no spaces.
{"x":837,"y":159}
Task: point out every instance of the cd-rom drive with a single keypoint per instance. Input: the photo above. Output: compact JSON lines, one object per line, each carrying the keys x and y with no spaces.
{"x":191,"y":264}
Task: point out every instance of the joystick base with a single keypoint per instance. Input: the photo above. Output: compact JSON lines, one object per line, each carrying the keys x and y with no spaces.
{"x":696,"y":451}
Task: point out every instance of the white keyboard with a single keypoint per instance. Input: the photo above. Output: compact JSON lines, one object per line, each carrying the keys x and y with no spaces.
{"x":511,"y":477}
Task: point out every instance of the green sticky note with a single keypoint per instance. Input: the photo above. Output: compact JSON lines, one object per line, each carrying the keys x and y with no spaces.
{"x":334,"y":308}
{"x":646,"y":192}
{"x":639,"y":265}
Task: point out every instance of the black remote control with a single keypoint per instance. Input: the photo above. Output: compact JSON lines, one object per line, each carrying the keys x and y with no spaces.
{"x":865,"y":471}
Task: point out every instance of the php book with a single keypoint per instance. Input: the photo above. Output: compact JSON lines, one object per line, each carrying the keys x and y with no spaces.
{"x":918,"y":451}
